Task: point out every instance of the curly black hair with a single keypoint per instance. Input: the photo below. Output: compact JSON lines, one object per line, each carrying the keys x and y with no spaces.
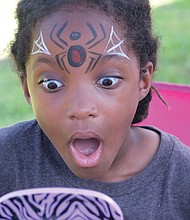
{"x":134,"y":17}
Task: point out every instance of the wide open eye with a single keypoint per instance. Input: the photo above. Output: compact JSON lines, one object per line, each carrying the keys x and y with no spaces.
{"x":109,"y":81}
{"x":51,"y":85}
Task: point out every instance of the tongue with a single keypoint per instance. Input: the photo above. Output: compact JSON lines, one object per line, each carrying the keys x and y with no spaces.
{"x":86,"y":146}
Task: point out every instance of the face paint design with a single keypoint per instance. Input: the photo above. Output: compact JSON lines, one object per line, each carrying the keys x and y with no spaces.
{"x":39,"y":46}
{"x":115,"y":48}
{"x":77,"y":54}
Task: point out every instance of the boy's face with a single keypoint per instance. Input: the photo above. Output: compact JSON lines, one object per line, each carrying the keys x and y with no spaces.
{"x":84,"y":87}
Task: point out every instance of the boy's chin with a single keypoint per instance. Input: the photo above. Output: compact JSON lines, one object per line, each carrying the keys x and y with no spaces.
{"x":93,"y":173}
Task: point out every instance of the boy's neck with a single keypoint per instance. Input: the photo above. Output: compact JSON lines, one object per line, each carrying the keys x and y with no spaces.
{"x":139,"y":154}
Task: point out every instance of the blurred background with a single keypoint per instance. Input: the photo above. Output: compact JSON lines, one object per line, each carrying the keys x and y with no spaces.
{"x":171,"y":22}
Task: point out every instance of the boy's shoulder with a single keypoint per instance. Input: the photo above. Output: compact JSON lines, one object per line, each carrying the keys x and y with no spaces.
{"x":178,"y":149}
{"x":177,"y":159}
{"x":181,"y":155}
{"x":17,"y":140}
{"x":172,"y":155}
{"x":18,"y":131}
{"x":177,"y":174}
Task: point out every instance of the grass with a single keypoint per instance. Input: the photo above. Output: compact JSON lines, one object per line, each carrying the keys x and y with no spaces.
{"x":13,"y":107}
{"x":171,"y":20}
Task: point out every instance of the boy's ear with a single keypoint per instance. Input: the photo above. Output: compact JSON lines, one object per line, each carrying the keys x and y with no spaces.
{"x":26,"y":92}
{"x":146,"y":80}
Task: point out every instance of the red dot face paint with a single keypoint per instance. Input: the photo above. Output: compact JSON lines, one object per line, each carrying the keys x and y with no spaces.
{"x":76,"y":55}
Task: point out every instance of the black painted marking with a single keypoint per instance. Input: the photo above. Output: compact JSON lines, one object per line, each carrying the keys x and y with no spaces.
{"x":60,"y":60}
{"x":94,"y":33}
{"x":61,"y":31}
{"x":58,"y":34}
{"x":93,"y":61}
{"x":75,"y":35}
{"x":76,"y":55}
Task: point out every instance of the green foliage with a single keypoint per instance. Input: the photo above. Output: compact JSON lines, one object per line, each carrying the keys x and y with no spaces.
{"x":171,"y":23}
{"x":13,"y":107}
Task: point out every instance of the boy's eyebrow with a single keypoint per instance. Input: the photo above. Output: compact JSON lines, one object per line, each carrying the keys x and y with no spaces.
{"x":42,"y":60}
{"x":113,"y":57}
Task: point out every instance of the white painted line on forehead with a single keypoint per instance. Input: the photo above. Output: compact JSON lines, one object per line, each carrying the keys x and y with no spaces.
{"x":39,"y":46}
{"x":115,"y":47}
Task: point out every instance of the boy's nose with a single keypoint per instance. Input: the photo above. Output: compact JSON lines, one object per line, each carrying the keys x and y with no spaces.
{"x":82,"y":106}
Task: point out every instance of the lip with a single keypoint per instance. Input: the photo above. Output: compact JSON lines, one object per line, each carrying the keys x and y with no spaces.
{"x":80,"y":159}
{"x":85,"y":135}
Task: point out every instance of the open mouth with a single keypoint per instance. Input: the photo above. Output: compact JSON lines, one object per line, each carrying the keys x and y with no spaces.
{"x":86,"y":151}
{"x":86,"y":146}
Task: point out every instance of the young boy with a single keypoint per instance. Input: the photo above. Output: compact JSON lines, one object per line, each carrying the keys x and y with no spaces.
{"x":86,"y":69}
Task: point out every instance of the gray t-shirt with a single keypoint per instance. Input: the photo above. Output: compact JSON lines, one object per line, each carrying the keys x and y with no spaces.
{"x":160,"y":191}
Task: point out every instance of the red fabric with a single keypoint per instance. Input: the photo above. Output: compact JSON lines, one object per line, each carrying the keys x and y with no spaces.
{"x":176,"y":119}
